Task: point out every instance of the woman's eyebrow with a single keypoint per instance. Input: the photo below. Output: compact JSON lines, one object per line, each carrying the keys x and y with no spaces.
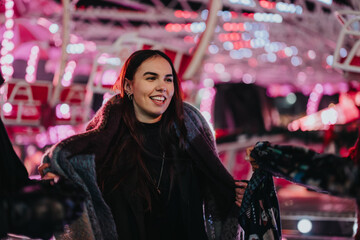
{"x":155,"y":74}
{"x":150,"y":73}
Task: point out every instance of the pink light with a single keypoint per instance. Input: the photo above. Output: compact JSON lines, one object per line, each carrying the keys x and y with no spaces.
{"x":9,"y":24}
{"x":9,"y":5}
{"x":58,"y":133}
{"x":178,"y":13}
{"x":294,"y":126}
{"x":187,"y":14}
{"x":207,"y":98}
{"x":65,"y":83}
{"x":90,"y":46}
{"x":62,"y":111}
{"x":266,"y":4}
{"x":102,"y":59}
{"x":35,"y":50}
{"x":311,"y":54}
{"x":70,"y":67}
{"x":357,"y":99}
{"x":4,"y":51}
{"x":109,"y":77}
{"x":309,"y":123}
{"x":329,"y":116}
{"x":227,"y":27}
{"x":32,"y":64}
{"x":187,"y":27}
{"x":168,"y":27}
{"x":341,"y":113}
{"x":7,"y":59}
{"x":319,"y":88}
{"x":30,"y":78}
{"x":7,"y":70}
{"x":42,"y":140}
{"x":30,"y":70}
{"x":9,"y":13}
{"x":277,"y":90}
{"x":234,"y":14}
{"x":189,"y":39}
{"x":176,"y":27}
{"x":7,"y":108}
{"x":8,"y":34}
{"x":7,"y":44}
{"x":68,"y":74}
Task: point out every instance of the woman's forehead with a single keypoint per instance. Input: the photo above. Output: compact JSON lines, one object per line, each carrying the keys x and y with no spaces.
{"x":155,"y":64}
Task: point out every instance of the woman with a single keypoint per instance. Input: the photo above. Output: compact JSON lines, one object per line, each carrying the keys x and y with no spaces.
{"x":157,"y":171}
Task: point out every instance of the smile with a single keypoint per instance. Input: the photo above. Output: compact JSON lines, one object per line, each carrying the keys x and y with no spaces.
{"x":158,"y":98}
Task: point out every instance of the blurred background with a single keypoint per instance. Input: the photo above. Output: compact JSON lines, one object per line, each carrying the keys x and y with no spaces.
{"x":285,"y":71}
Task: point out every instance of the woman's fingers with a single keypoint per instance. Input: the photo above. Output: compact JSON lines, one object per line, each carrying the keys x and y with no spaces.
{"x":51,"y":176}
{"x":252,"y":161}
{"x":239,"y":191}
{"x":42,"y":167}
{"x":238,"y":203}
{"x":240,"y":184}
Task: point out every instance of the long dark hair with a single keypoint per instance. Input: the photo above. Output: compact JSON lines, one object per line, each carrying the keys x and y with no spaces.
{"x":124,"y":158}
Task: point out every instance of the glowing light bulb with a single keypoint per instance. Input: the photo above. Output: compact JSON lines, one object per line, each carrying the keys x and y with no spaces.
{"x":304,"y":226}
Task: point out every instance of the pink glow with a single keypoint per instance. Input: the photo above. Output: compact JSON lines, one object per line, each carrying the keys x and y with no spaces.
{"x":68,"y":74}
{"x":207,"y":96}
{"x":109,"y":77}
{"x":329,"y":116}
{"x":7,"y":108}
{"x":63,"y":111}
{"x":9,"y":24}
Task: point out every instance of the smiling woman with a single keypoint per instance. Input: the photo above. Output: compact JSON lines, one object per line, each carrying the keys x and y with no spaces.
{"x":151,"y":91}
{"x":158,"y":175}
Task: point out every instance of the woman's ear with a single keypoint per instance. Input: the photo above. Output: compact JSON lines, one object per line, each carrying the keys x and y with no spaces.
{"x":128,"y":86}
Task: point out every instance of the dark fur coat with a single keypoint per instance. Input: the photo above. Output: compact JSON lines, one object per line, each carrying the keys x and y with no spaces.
{"x":97,"y":223}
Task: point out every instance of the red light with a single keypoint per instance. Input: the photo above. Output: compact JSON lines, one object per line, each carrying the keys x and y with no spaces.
{"x":189,"y":39}
{"x":282,"y":54}
{"x":234,"y":36}
{"x":176,"y":27}
{"x":222,"y":37}
{"x":234,"y":15}
{"x":169,"y":27}
{"x":227,"y":27}
{"x":186,"y":14}
{"x":266,"y":4}
{"x":240,"y":27}
{"x":247,"y":44}
{"x":187,"y":27}
{"x":194,"y":15}
{"x":178,"y":14}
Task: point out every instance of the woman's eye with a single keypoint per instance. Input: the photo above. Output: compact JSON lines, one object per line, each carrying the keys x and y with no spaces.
{"x":169,"y":80}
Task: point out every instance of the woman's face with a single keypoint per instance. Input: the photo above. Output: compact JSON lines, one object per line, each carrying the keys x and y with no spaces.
{"x":152,"y":89}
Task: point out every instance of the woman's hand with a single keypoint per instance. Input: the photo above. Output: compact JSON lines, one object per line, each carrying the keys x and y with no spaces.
{"x":48,"y":175}
{"x":239,"y":192}
{"x":252,"y":161}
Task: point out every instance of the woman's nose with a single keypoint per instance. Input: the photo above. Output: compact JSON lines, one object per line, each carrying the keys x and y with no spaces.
{"x":161,"y":88}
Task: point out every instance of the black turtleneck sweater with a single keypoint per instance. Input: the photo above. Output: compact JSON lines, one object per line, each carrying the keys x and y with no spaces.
{"x":177,"y":210}
{"x":165,"y":220}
